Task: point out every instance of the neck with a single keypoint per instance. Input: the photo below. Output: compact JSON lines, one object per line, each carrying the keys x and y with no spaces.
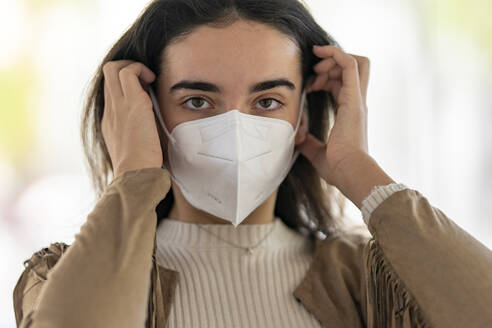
{"x":183,"y":211}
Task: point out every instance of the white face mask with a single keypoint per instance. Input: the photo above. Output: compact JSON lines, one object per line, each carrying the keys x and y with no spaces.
{"x":228,"y":164}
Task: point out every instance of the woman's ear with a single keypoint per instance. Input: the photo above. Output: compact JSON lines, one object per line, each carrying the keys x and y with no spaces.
{"x":303,"y":129}
{"x":304,"y":124}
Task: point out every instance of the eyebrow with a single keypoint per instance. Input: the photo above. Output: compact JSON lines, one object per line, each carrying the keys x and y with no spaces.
{"x":210,"y":87}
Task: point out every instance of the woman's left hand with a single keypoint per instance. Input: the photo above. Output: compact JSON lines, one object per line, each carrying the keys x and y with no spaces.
{"x":346,"y":77}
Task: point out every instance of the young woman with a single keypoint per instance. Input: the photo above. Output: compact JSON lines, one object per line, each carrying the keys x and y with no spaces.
{"x":212,"y":219}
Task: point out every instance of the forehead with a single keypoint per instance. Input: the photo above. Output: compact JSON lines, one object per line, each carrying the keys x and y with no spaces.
{"x":244,"y":50}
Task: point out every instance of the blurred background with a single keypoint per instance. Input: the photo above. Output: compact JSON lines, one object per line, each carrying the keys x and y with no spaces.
{"x":429,"y":109}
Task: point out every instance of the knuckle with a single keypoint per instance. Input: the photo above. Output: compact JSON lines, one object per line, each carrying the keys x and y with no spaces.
{"x":125,"y":71}
{"x":129,"y":69}
{"x":107,"y":67}
{"x":133,"y":66}
{"x":352,"y":61}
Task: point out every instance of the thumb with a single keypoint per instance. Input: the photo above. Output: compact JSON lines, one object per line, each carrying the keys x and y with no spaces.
{"x":312,"y":148}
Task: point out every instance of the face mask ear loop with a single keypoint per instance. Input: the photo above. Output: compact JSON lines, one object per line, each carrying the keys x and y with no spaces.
{"x":301,"y":110}
{"x":157,"y":111}
{"x":159,"y":116}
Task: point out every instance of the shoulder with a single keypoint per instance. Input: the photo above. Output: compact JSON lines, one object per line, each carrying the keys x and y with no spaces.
{"x":35,"y":272}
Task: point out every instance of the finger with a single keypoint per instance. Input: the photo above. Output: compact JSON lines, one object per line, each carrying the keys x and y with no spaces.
{"x":327,"y":83}
{"x":336,"y":73}
{"x":333,"y":86}
{"x":131,"y":77}
{"x":329,"y":66}
{"x":363,"y":66}
{"x":320,"y":81}
{"x":325,"y":65}
{"x":110,"y":71}
{"x":350,"y":73}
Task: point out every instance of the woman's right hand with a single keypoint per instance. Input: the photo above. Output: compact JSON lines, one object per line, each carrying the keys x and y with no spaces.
{"x":128,"y":125}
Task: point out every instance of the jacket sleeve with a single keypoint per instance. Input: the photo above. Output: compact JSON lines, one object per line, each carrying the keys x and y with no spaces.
{"x":421,"y":269}
{"x":103,"y":278}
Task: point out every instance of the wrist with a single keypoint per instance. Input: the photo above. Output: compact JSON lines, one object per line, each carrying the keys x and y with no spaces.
{"x":358,"y":175}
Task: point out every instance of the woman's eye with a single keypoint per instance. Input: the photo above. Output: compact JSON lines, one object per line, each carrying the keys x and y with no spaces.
{"x":266,"y":104}
{"x":198,"y":103}
{"x":195,"y":103}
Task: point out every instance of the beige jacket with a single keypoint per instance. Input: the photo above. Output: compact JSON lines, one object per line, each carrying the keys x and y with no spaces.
{"x":419,"y":270}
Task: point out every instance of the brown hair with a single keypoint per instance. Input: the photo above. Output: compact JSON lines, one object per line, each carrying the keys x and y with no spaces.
{"x":304,"y":202}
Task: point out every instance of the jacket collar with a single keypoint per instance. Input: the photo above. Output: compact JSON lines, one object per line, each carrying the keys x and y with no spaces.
{"x":163,"y":287}
{"x":320,"y":305}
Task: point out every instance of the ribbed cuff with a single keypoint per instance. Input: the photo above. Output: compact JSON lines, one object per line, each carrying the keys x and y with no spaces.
{"x":377,"y":195}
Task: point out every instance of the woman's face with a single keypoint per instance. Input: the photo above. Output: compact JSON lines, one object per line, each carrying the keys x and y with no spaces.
{"x":231,"y":65}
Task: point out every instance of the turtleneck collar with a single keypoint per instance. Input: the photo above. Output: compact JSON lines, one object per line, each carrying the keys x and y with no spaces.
{"x":187,"y":234}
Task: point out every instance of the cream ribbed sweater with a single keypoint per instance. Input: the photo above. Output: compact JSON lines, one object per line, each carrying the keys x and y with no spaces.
{"x":223,"y":286}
